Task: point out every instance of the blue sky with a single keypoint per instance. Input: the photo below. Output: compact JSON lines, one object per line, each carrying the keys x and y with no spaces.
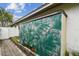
{"x":20,"y":9}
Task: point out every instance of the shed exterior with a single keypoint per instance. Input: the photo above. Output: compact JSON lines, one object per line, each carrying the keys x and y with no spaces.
{"x":72,"y":29}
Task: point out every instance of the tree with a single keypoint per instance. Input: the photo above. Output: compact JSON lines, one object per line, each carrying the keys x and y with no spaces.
{"x":5,"y":17}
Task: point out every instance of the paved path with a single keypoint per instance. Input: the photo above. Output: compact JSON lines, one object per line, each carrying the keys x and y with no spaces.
{"x":8,"y":48}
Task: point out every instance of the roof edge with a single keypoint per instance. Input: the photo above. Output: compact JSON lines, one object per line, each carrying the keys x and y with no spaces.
{"x":33,"y":12}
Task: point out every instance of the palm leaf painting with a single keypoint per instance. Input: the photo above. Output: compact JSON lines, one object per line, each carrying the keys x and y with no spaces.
{"x":43,"y":35}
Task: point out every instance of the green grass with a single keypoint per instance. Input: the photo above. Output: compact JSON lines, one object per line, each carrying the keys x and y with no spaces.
{"x":74,"y":53}
{"x":66,"y":53}
{"x":15,"y":39}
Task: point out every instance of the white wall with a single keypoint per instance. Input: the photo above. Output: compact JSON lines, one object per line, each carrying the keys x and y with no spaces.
{"x":3,"y":33}
{"x":73,"y":28}
{"x":7,"y":32}
{"x":12,"y":31}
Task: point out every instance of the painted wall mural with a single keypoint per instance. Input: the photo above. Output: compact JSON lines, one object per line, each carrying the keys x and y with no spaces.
{"x":43,"y":35}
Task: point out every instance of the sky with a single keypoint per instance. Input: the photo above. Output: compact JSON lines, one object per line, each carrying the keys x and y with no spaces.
{"x":19,"y":9}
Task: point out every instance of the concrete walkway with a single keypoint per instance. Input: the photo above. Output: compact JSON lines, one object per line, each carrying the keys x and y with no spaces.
{"x":8,"y":48}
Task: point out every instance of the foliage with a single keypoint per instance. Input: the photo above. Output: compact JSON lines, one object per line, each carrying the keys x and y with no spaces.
{"x":66,"y":53}
{"x":5,"y":17}
{"x":75,"y":53}
{"x":15,"y":39}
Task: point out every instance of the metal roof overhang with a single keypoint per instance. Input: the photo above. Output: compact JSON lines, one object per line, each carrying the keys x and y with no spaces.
{"x":43,"y":8}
